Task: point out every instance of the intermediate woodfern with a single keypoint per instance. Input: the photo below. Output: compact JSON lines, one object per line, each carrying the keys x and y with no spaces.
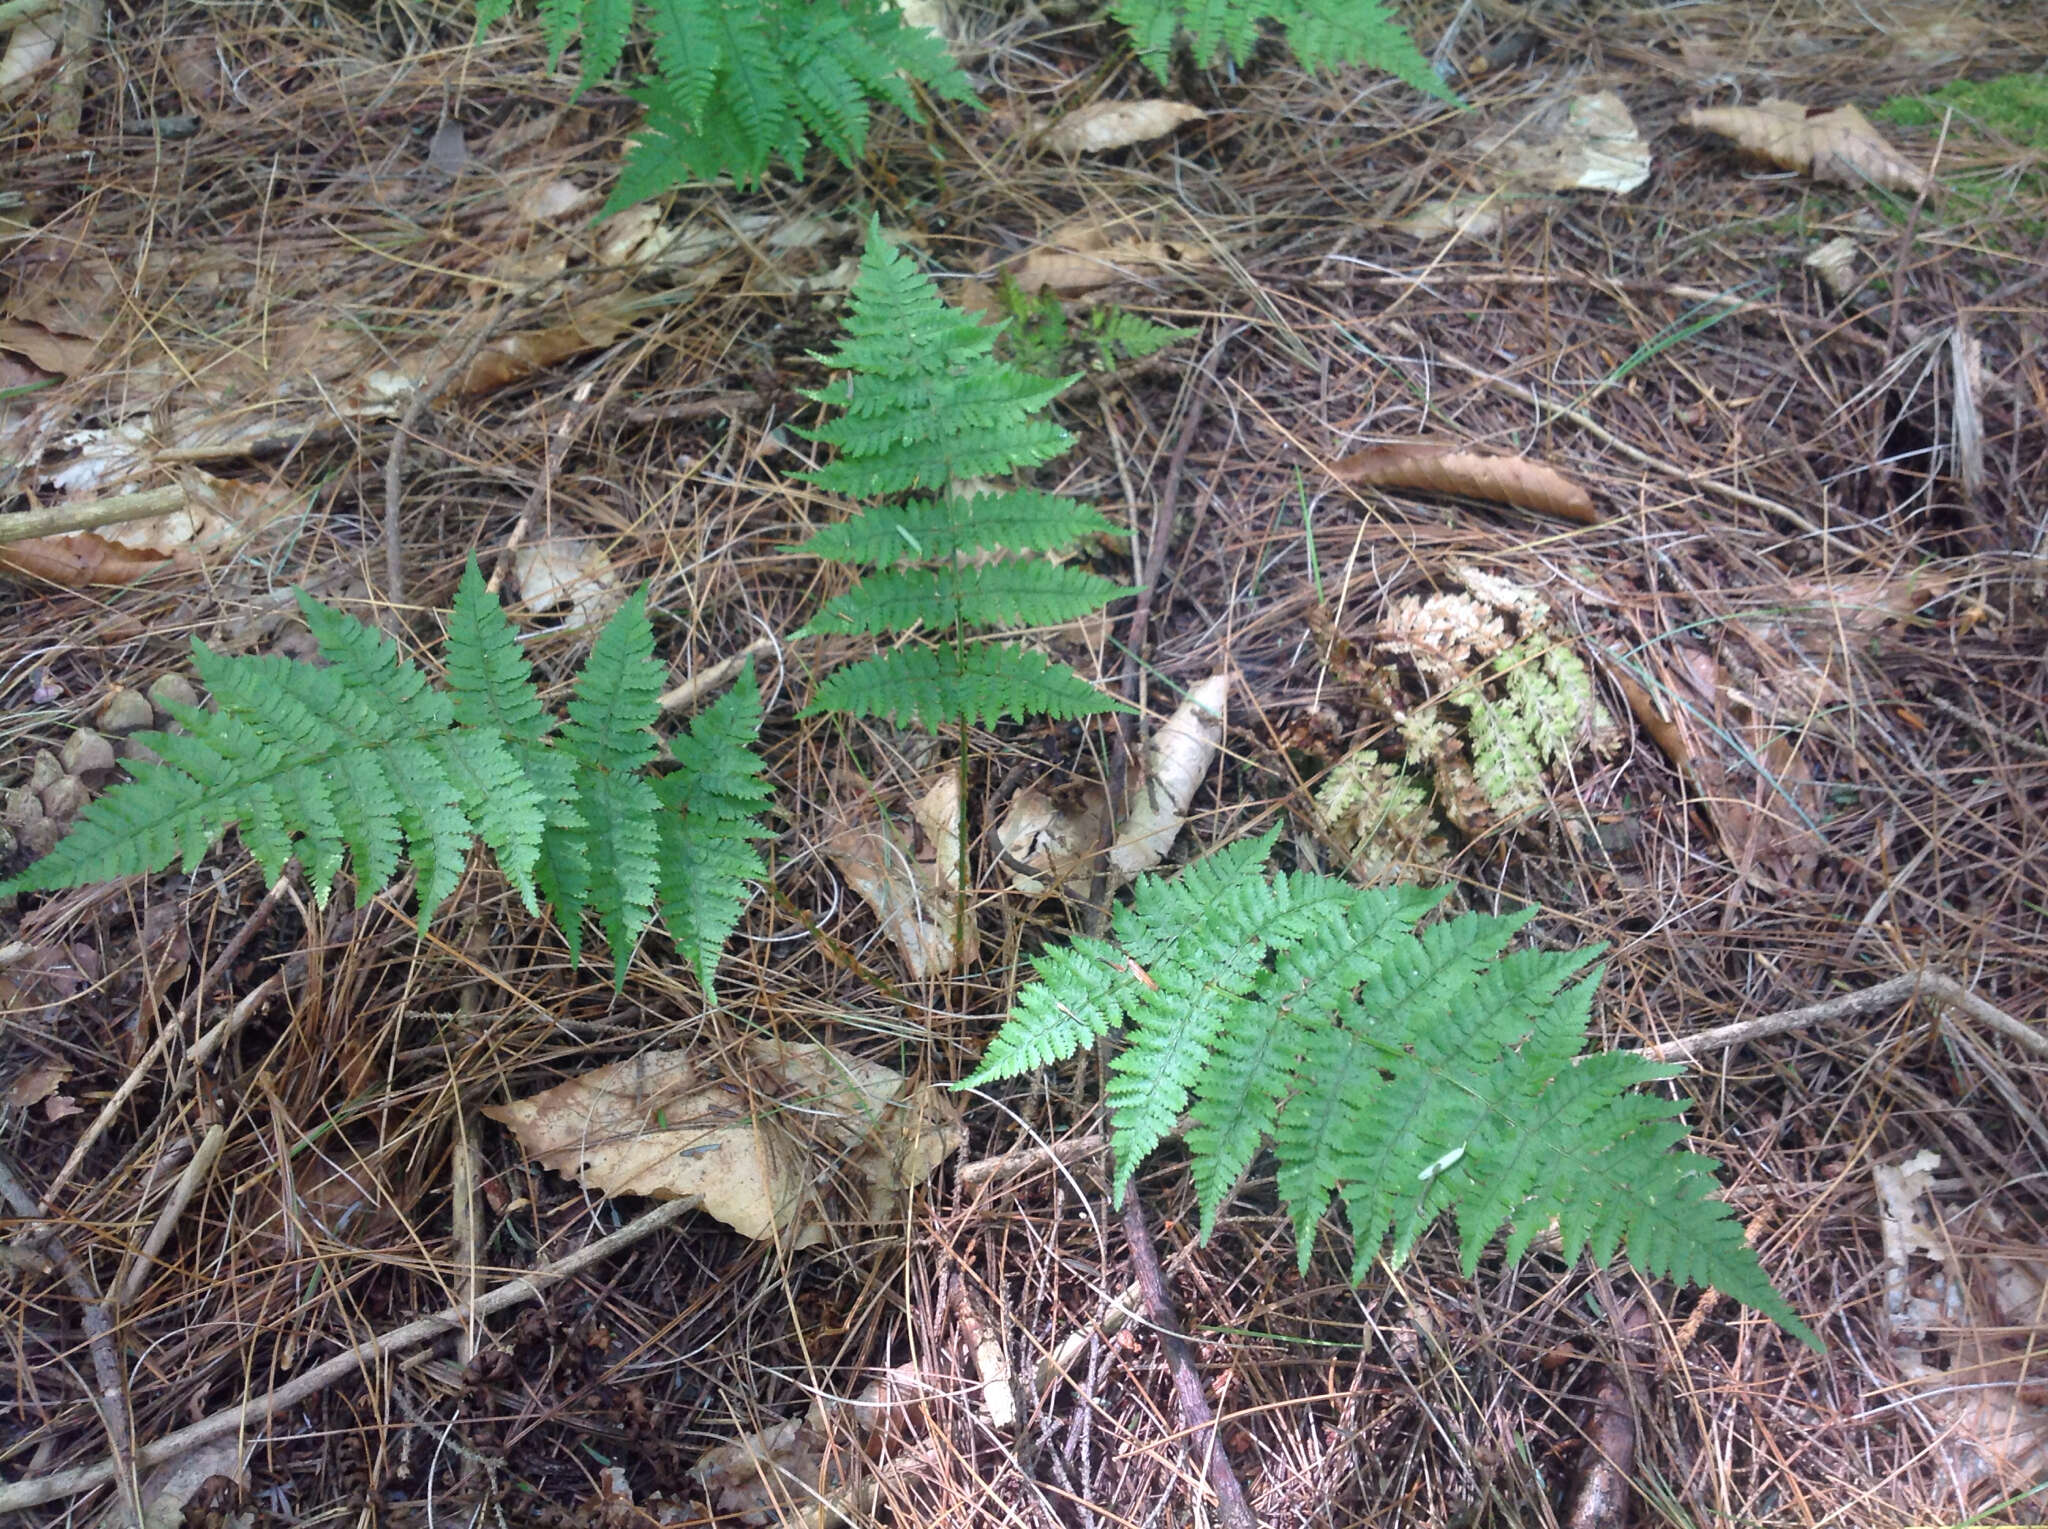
{"x":1321,"y":33}
{"x":364,"y":760}
{"x":927,"y":406}
{"x":741,"y":83}
{"x":1406,"y":1071}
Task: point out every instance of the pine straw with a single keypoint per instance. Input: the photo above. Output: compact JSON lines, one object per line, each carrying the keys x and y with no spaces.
{"x":1797,"y":446}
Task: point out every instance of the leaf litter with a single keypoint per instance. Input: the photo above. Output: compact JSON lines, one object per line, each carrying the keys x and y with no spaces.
{"x":1907,"y":736}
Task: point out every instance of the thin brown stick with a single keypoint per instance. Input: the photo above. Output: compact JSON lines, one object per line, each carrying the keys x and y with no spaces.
{"x":1200,"y":1422}
{"x":111,"y":1399}
{"x":256,"y":1413}
{"x":1937,"y":985}
{"x":83,"y":22}
{"x":60,"y":519}
{"x":687,"y":693}
{"x":130,"y":1283}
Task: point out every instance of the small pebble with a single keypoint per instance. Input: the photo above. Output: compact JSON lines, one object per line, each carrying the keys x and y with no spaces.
{"x":140,"y":752}
{"x":126,"y":711}
{"x":40,"y":836}
{"x":174,"y":688}
{"x":45,"y":771}
{"x":85,"y":751}
{"x":66,"y":799}
{"x":20,"y":805}
{"x":6,"y":849}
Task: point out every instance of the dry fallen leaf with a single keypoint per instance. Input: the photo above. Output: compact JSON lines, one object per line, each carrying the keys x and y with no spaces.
{"x":1448,"y":469}
{"x":1083,"y":255}
{"x":1979,"y":1311}
{"x":1176,"y":758}
{"x":32,"y":45}
{"x":796,"y":1473}
{"x":1835,"y":262}
{"x":1838,"y":145}
{"x":910,"y":878}
{"x":1478,"y":215}
{"x":1050,"y":838}
{"x":761,"y":1148}
{"x":37,"y":1083}
{"x":567,"y":570}
{"x":1586,"y":143}
{"x":1114,"y":124}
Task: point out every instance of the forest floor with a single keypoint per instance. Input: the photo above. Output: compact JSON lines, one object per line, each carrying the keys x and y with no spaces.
{"x":242,"y":1135}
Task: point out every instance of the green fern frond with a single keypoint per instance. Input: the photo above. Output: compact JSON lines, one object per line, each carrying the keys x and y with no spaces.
{"x":742,"y":86}
{"x":1323,"y":34}
{"x":687,"y":47}
{"x":1121,"y":335}
{"x":559,"y":20}
{"x":1407,"y":1073}
{"x":926,"y":405}
{"x":709,"y":822}
{"x":980,"y":682}
{"x":364,"y":761}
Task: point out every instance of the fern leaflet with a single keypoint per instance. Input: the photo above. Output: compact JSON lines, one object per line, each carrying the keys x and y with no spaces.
{"x":1408,"y":1073}
{"x":708,"y":826}
{"x":364,"y":761}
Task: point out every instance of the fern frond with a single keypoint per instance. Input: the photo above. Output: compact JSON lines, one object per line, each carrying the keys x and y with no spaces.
{"x":1013,"y":592}
{"x":975,"y":682}
{"x":1084,"y":991}
{"x":365,"y":761}
{"x":1322,"y":34}
{"x":559,"y":20}
{"x":1120,"y":334}
{"x":939,"y":531}
{"x":927,"y":404}
{"x":1408,"y":1073}
{"x":708,"y":824}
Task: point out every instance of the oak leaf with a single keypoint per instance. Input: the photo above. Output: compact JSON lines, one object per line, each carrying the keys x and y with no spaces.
{"x":1838,"y":145}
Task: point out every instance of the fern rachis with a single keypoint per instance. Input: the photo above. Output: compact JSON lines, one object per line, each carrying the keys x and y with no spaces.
{"x":365,"y":761}
{"x":1407,"y":1070}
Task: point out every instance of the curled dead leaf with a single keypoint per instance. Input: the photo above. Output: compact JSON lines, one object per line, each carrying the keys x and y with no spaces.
{"x":793,"y":1139}
{"x":567,"y":570}
{"x":911,"y":878}
{"x":1087,"y":254}
{"x":1839,"y":145}
{"x":1442,"y":468}
{"x":1584,"y":143}
{"x":1050,"y":838}
{"x":1115,"y":124}
{"x":1477,"y":215}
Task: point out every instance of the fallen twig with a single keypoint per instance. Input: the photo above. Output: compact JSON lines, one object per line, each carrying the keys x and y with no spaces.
{"x":1231,"y":1506}
{"x":60,"y":519}
{"x":111,"y":1399}
{"x":254,"y":1414}
{"x":1937,"y":985}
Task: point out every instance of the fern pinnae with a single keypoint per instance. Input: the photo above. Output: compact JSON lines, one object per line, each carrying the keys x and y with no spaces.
{"x":1404,"y":1072}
